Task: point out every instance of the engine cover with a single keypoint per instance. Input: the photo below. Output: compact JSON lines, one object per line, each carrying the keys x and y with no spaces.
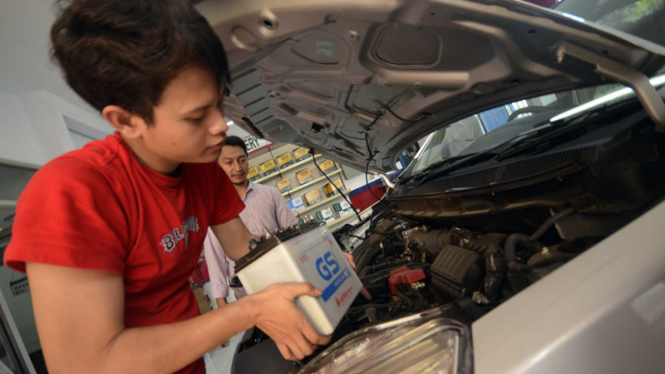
{"x":457,"y":271}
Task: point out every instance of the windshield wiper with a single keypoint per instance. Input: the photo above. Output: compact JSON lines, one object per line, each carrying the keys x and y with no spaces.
{"x":472,"y":158}
{"x":437,"y":165}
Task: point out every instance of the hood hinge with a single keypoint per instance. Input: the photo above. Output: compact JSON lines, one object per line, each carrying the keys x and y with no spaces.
{"x":645,"y":92}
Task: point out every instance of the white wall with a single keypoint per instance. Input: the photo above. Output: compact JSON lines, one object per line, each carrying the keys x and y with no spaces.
{"x":18,"y":143}
{"x":34,"y":97}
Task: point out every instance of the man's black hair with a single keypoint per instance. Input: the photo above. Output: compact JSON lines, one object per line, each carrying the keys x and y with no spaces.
{"x":125,"y":52}
{"x":238,"y":142}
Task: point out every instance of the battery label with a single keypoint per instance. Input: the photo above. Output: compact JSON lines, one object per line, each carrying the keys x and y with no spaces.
{"x":335,"y":285}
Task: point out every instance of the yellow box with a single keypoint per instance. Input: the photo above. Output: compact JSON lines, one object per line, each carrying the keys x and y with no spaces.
{"x":331,"y":191}
{"x":284,"y":185}
{"x":253,"y":174}
{"x":268,"y":167}
{"x":313,"y":197}
{"x":301,"y":154}
{"x":284,"y":160}
{"x":327,"y":166}
{"x":304,"y":176}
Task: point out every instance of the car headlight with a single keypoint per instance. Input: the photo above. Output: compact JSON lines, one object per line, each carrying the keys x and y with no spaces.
{"x":421,"y":343}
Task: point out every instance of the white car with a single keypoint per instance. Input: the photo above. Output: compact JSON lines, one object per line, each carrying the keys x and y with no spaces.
{"x":528,"y":234}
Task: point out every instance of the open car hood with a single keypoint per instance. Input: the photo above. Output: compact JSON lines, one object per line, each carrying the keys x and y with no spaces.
{"x":319,"y":73}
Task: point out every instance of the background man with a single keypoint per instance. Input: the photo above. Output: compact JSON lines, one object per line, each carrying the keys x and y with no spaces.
{"x":265,"y":207}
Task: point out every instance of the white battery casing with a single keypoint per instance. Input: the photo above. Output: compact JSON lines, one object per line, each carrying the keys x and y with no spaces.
{"x":313,"y":257}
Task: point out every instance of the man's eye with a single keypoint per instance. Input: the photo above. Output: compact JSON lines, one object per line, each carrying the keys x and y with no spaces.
{"x":195,"y":120}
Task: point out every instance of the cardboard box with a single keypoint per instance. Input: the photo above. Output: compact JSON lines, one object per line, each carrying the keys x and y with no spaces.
{"x":342,"y":206}
{"x":296,"y":204}
{"x":325,"y":215}
{"x":301,"y":153}
{"x":330,"y":190}
{"x":253,"y":174}
{"x":313,"y":197}
{"x":328,"y":166}
{"x":268,"y":168}
{"x":284,"y":160}
{"x":284,"y":185}
{"x":304,"y":176}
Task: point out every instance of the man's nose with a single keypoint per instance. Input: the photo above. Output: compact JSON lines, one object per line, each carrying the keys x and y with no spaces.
{"x":219,"y":125}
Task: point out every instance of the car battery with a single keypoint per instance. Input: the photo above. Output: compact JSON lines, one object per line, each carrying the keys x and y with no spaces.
{"x":296,"y":204}
{"x":304,"y":176}
{"x":328,"y":166}
{"x":313,"y":197}
{"x":303,"y":253}
{"x":332,"y":189}
{"x":253,"y":174}
{"x":284,"y":160}
{"x":301,"y":153}
{"x":268,"y":168}
{"x":325,"y":215}
{"x":284,"y":185}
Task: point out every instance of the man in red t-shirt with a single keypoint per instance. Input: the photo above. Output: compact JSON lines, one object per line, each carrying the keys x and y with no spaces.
{"x":110,"y":234}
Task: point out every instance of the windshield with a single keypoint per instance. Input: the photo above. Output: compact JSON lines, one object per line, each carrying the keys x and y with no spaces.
{"x":643,"y":18}
{"x":490,"y":128}
{"x":483,"y":131}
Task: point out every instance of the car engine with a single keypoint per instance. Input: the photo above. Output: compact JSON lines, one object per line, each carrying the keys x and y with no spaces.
{"x":467,"y":251}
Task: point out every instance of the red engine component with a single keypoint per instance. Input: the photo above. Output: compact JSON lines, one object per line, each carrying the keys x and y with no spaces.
{"x":404,"y":275}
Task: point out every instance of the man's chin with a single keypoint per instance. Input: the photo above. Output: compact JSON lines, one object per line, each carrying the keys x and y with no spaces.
{"x":239,"y":182}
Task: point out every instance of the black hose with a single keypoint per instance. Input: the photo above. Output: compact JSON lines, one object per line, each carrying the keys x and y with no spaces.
{"x":407,"y":300}
{"x":366,"y":257}
{"x":495,"y":268}
{"x":510,"y":252}
{"x":550,"y":221}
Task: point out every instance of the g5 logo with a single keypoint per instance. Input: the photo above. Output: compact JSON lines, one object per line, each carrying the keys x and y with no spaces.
{"x":329,"y":268}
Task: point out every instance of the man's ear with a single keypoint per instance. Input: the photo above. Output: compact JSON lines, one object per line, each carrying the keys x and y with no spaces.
{"x":127,"y":124}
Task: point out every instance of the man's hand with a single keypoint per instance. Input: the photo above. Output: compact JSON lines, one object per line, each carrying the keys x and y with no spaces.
{"x":363,"y":291}
{"x":278,"y":316}
{"x":350,"y":258}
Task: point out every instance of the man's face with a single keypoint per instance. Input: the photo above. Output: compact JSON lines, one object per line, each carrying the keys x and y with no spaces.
{"x":188,"y":124}
{"x":234,"y":162}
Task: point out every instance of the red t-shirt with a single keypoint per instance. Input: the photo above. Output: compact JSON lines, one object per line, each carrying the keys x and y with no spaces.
{"x":99,"y":208}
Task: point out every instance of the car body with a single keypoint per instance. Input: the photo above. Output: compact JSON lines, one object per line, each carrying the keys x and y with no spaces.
{"x":540,"y":162}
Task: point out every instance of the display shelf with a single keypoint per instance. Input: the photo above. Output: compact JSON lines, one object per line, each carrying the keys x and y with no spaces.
{"x":322,"y":203}
{"x":340,"y":220}
{"x":315,"y":181}
{"x":280,"y":172}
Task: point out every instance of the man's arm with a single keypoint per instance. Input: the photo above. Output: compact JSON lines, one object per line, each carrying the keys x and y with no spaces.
{"x":233,"y":236}
{"x":285,"y":216}
{"x":80,"y":314}
{"x":218,"y":268}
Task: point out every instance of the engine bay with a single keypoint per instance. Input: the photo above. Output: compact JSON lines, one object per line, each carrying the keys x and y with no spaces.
{"x":470,"y":251}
